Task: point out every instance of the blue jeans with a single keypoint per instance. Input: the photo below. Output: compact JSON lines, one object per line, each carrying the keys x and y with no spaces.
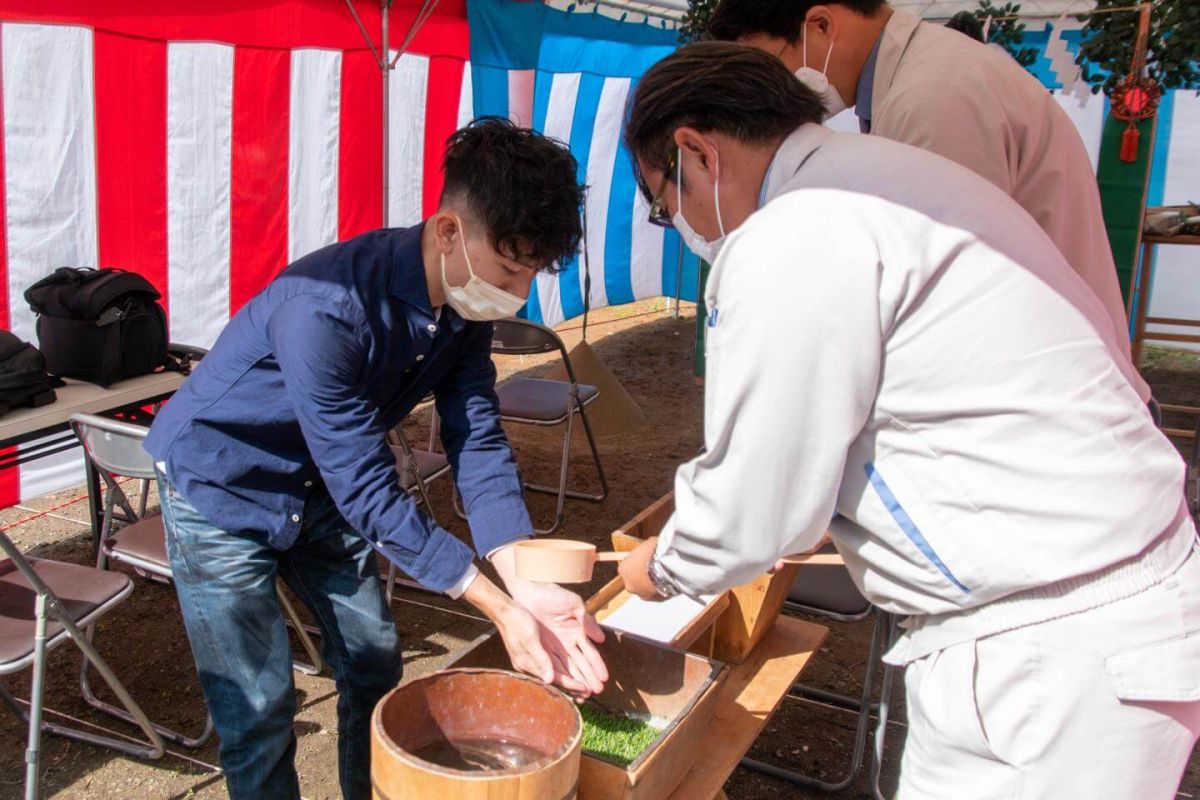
{"x":226,"y":586}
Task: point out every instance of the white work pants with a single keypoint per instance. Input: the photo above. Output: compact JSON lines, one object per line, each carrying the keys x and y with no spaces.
{"x":1101,"y":704}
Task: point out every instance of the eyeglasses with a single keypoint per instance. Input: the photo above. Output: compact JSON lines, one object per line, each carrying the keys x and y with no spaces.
{"x":658,"y":212}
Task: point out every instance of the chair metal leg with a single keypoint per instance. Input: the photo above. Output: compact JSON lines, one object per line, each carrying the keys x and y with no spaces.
{"x":414,"y":474}
{"x":846,"y":702}
{"x":885,"y":698}
{"x":152,"y":750}
{"x":408,"y":583}
{"x":85,"y":688}
{"x":860,"y":731}
{"x":33,"y":775}
{"x":573,"y":493}
{"x":562,"y":491}
{"x":587,"y":429}
{"x":315,"y":666}
{"x":889,"y":677}
{"x":145,"y":498}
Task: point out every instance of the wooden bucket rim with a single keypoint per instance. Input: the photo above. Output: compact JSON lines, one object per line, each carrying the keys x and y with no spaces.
{"x":575,"y":743}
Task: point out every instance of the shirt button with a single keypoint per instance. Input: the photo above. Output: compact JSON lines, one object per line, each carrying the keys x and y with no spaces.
{"x":295,"y":517}
{"x":432,"y":329}
{"x":308,"y":484}
{"x":420,"y":357}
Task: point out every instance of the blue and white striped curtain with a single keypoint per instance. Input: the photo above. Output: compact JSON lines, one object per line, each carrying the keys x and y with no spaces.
{"x":569,"y":76}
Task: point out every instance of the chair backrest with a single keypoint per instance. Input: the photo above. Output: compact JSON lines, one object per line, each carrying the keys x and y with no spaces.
{"x":114,"y":446}
{"x":520,"y":337}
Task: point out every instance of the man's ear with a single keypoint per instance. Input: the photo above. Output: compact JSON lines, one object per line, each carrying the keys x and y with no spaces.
{"x":821,"y":19}
{"x":695,"y":146}
{"x":447,"y":229}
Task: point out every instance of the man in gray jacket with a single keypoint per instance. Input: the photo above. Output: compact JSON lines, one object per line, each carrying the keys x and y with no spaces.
{"x":930,"y":87}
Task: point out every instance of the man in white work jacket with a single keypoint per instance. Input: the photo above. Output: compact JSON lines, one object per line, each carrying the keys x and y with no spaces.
{"x":925,"y":85}
{"x":893,"y":340}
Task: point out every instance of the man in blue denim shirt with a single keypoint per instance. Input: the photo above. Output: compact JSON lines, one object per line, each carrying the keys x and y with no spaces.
{"x":273,"y":458}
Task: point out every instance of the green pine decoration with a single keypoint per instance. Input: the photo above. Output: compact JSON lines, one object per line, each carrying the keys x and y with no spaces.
{"x":1006,"y":31}
{"x":694,"y":26}
{"x":1107,"y":51}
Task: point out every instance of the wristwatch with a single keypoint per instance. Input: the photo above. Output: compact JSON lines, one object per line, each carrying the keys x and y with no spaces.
{"x":664,"y":584}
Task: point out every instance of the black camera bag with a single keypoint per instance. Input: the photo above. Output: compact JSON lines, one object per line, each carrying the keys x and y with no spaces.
{"x":23,"y":378}
{"x":99,"y":325}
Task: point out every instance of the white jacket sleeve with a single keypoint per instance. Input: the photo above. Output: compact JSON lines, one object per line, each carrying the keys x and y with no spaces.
{"x":793,"y":362}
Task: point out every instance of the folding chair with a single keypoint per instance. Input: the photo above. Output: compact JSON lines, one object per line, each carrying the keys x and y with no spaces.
{"x":42,"y":604}
{"x":533,"y":401}
{"x":826,"y":590}
{"x":115,"y":450}
{"x":415,"y":468}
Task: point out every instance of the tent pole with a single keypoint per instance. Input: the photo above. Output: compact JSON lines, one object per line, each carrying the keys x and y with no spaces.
{"x":418,"y":22}
{"x":363,"y":30}
{"x":386,"y":66}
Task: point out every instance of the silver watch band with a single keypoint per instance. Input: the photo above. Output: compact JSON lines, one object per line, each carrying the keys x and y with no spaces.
{"x":664,"y":584}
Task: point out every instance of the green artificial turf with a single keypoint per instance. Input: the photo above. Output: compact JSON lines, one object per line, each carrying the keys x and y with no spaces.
{"x":615,"y":736}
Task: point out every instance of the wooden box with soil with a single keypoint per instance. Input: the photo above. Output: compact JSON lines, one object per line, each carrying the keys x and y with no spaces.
{"x":645,"y":725}
{"x":752,"y":608}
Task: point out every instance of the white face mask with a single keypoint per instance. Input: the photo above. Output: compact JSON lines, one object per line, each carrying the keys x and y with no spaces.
{"x":695,"y":242}
{"x":819,"y":81}
{"x":478,"y":300}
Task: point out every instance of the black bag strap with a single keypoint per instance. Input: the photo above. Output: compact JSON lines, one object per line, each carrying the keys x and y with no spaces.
{"x":84,"y":293}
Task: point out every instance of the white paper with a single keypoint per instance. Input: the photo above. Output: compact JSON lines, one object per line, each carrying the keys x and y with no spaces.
{"x":658,"y":620}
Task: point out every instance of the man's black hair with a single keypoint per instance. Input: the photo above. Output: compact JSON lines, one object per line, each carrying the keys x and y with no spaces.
{"x":782,"y":19}
{"x":714,"y":86}
{"x":523,"y":186}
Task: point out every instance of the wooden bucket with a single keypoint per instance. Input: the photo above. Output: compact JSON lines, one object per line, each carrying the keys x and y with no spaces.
{"x":475,"y":734}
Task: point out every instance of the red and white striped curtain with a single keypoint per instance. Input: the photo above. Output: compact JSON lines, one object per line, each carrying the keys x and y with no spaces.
{"x":206,"y":149}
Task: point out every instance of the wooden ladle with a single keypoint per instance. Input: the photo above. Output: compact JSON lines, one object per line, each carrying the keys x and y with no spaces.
{"x":559,"y":560}
{"x":569,"y":561}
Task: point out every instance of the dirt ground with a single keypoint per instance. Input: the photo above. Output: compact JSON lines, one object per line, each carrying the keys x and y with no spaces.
{"x":651,"y":354}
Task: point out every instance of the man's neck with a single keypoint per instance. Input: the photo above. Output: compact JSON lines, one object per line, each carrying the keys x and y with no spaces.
{"x":754,"y":165}
{"x":862,"y":42}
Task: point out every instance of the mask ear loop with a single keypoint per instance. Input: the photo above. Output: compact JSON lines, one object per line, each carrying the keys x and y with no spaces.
{"x":462,"y":235}
{"x":717,"y":191}
{"x":828,"y":53}
{"x":679,"y":181}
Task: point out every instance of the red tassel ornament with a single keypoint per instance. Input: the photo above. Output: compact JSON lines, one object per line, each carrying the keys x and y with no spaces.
{"x":1129,"y":143}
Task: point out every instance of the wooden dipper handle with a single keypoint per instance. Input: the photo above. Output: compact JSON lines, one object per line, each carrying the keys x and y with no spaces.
{"x":814,"y":558}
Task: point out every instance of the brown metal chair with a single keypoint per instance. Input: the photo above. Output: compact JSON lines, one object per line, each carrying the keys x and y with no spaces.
{"x":44,"y":603}
{"x":415,"y":469}
{"x":826,"y":590}
{"x":115,"y":450}
{"x":533,"y":401}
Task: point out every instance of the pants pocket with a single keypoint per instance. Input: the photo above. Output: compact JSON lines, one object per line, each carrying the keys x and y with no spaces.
{"x":1161,"y":672}
{"x":948,"y":753}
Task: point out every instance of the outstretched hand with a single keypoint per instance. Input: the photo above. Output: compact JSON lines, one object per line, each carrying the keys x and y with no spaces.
{"x":568,"y":634}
